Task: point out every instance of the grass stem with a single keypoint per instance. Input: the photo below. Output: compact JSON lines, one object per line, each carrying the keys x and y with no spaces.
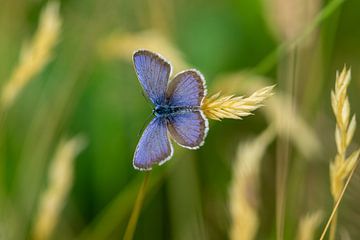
{"x":130,"y":229}
{"x":283,"y":146}
{"x":333,"y":226}
{"x":337,"y":203}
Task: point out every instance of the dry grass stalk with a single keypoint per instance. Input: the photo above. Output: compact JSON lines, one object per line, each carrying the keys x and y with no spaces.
{"x":218,"y":107}
{"x":244,"y":186}
{"x":278,"y":106}
{"x":60,"y":180}
{"x":34,"y":55}
{"x":333,"y":214}
{"x":308,"y":226}
{"x":344,"y":164}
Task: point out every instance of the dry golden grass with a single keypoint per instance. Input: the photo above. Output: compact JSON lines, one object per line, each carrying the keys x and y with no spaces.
{"x":218,"y":107}
{"x":34,"y":55}
{"x":60,"y":180}
{"x":244,"y":186}
{"x":341,"y":167}
{"x":278,"y":106}
{"x":344,"y":164}
{"x":308,"y":225}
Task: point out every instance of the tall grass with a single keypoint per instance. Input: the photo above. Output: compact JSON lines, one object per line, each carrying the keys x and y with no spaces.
{"x":60,"y":180}
{"x":244,"y":188}
{"x":130,"y":229}
{"x":343,"y":167}
{"x":229,"y":190}
{"x":34,"y":54}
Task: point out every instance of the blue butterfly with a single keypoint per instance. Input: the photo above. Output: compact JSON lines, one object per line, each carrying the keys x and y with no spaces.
{"x":177,"y":109}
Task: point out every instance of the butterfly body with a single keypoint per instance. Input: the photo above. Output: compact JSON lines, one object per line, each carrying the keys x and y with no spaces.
{"x":167,"y":110}
{"x":177,"y":109}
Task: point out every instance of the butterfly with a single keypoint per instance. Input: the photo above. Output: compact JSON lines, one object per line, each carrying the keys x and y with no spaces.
{"x":177,"y":109}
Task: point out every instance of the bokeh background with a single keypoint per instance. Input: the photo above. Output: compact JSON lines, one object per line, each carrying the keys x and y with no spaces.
{"x":85,"y":104}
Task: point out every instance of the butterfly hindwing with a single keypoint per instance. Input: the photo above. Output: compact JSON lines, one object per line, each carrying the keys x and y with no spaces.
{"x":154,"y":146}
{"x":186,"y":89}
{"x":153,"y":72}
{"x":188,"y":129}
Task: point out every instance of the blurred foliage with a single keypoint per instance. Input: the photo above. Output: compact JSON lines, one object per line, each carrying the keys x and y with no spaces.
{"x":84,"y":91}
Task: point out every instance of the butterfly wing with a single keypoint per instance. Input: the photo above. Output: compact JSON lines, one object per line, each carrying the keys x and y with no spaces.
{"x":186,"y":89}
{"x":188,"y":129}
{"x":153,"y":72}
{"x":154,"y":146}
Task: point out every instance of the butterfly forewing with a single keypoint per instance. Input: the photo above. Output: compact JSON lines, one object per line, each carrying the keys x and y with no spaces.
{"x":153,"y":73}
{"x":188,"y":129}
{"x":154,"y":146}
{"x":186,"y":89}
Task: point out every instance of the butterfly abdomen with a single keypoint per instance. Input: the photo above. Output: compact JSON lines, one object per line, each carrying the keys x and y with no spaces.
{"x":166,"y":110}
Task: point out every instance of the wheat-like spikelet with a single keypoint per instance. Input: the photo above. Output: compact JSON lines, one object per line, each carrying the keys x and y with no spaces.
{"x":341,"y":167}
{"x":218,"y":107}
{"x":60,"y":179}
{"x":244,"y":186}
{"x":308,"y":225}
{"x":34,"y":55}
{"x":278,"y":106}
{"x":344,"y":164}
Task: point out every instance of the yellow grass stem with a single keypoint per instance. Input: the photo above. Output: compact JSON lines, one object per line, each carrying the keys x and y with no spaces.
{"x":282,"y":152}
{"x":283,"y":147}
{"x":130,"y":229}
{"x":60,"y":181}
{"x":34,"y":55}
{"x":218,"y":107}
{"x":337,"y":203}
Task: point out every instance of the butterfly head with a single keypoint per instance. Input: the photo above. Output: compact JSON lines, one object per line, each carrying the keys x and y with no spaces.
{"x":162,"y":110}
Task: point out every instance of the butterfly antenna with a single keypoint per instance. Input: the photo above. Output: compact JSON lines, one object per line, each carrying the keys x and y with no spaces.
{"x":144,"y":125}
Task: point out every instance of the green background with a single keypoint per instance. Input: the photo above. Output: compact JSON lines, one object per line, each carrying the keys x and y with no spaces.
{"x":81,"y":91}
